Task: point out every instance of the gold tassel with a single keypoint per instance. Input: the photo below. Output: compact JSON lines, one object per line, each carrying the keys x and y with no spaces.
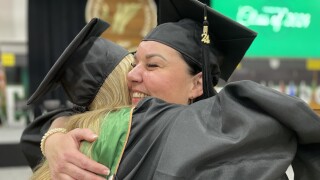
{"x":205,"y":34}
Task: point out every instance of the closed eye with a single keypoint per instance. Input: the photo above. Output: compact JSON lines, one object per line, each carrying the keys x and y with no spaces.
{"x":152,"y":65}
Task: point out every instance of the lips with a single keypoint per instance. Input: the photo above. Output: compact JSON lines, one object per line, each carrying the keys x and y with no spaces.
{"x":137,"y":96}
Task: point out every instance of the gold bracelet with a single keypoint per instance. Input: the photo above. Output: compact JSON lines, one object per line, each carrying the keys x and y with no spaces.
{"x":47,"y":134}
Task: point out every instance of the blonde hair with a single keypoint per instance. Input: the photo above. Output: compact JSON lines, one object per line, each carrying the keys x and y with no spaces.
{"x":112,"y":95}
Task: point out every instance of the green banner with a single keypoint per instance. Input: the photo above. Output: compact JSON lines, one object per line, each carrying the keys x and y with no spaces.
{"x":286,"y":28}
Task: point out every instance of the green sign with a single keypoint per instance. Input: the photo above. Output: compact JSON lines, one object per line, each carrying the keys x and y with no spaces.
{"x":286,"y":28}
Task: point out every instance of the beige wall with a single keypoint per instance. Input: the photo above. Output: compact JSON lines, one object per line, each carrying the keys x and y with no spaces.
{"x":13,"y":26}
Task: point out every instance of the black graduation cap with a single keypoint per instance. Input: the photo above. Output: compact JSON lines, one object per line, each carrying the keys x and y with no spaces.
{"x":83,"y":66}
{"x":210,"y":40}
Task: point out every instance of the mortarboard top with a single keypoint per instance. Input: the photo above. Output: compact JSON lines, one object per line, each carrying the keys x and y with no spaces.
{"x":181,"y":25}
{"x":83,"y":66}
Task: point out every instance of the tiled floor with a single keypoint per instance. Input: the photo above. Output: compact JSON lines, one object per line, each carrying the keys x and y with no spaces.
{"x":12,"y":135}
{"x":15,"y":173}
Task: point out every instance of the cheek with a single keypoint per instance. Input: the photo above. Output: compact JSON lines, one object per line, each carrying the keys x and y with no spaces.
{"x":155,"y":82}
{"x":164,"y":84}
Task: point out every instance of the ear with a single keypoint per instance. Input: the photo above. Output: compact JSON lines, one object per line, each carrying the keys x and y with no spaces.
{"x":197,"y":89}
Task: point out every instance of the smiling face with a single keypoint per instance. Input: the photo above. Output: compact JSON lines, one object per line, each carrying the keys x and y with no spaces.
{"x":160,"y":71}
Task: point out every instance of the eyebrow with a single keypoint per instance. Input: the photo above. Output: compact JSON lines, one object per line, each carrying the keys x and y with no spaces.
{"x":148,"y":56}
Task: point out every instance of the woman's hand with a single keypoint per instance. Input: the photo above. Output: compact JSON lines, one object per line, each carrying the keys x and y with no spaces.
{"x":67,"y":162}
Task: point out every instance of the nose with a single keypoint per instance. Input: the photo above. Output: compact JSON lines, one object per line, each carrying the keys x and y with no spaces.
{"x":135,"y":75}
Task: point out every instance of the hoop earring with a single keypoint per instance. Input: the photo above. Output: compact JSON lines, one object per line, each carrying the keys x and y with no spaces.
{"x":190,"y":101}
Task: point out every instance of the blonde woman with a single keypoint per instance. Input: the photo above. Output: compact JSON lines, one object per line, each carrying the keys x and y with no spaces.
{"x":92,"y":72}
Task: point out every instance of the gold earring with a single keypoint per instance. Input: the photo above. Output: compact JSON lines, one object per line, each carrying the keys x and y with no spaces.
{"x":190,"y":100}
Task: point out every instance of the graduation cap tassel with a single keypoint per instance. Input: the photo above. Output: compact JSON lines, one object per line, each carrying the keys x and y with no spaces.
{"x":208,"y":90}
{"x":205,"y":35}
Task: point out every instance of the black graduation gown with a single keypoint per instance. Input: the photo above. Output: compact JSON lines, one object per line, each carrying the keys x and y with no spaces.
{"x":32,"y":134}
{"x":246,"y":131}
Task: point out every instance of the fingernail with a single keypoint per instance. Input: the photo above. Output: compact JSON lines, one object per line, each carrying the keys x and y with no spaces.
{"x":106,"y":171}
{"x":95,"y":136}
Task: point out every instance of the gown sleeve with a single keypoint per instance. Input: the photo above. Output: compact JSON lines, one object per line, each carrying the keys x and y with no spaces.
{"x":246,"y":131}
{"x":32,"y":134}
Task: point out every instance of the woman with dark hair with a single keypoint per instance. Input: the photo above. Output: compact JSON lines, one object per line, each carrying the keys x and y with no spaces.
{"x":246,"y":131}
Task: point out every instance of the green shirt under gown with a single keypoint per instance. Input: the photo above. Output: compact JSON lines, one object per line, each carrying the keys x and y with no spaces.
{"x":113,"y":136}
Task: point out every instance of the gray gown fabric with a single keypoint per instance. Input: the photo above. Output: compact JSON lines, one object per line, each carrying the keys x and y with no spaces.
{"x":246,"y":132}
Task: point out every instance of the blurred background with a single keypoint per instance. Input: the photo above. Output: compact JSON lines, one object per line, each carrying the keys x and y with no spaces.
{"x":33,"y":33}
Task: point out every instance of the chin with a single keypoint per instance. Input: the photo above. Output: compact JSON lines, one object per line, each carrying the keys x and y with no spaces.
{"x":135,"y":101}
